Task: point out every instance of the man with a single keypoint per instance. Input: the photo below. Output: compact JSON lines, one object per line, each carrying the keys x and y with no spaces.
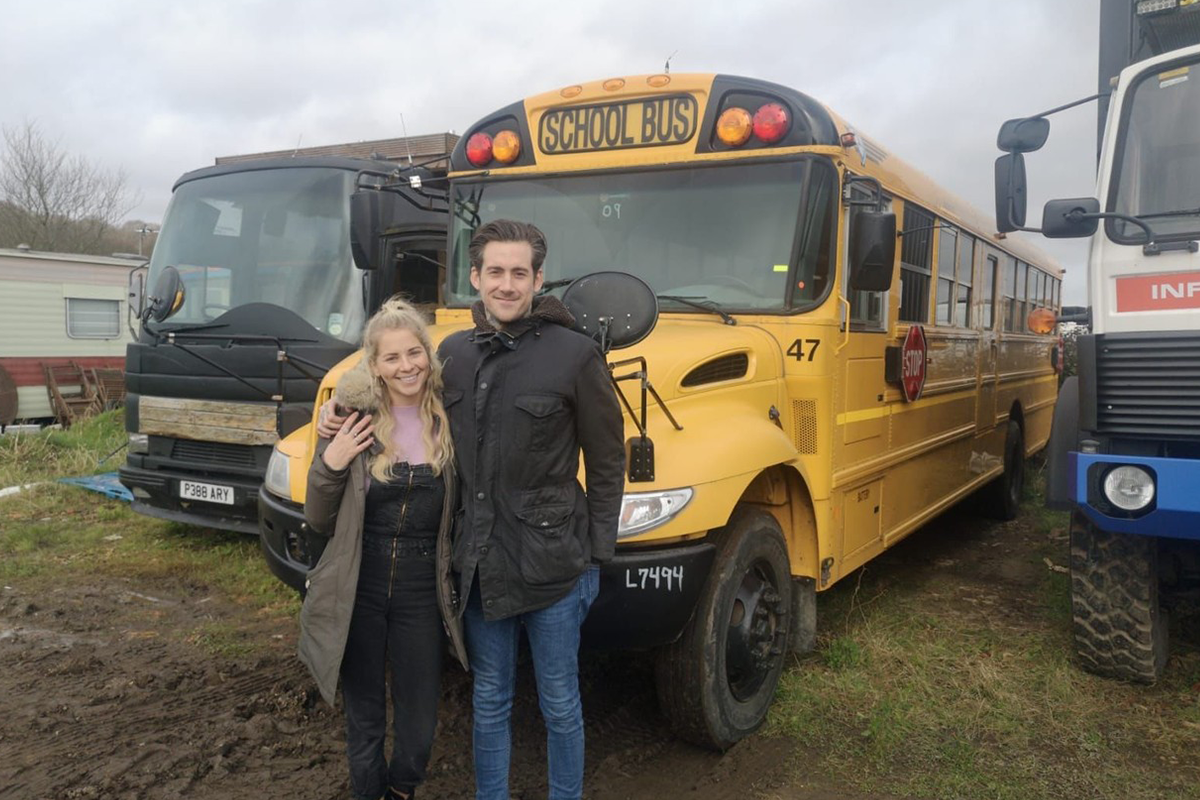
{"x":525,"y":393}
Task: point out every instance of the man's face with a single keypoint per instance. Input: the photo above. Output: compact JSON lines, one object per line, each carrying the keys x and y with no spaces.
{"x":506,"y":281}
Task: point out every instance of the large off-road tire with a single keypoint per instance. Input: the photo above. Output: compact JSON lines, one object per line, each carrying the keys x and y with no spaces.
{"x":716,"y":682}
{"x":1004,"y":493}
{"x":1120,"y":629}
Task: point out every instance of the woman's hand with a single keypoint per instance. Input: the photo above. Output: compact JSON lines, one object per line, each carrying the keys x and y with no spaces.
{"x":354,"y":436}
{"x":328,"y":420}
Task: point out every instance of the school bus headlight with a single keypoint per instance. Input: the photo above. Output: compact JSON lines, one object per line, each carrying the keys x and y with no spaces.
{"x":734,"y":126}
{"x":479,"y":149}
{"x":278,"y":479}
{"x":771,"y":122}
{"x":506,"y":147}
{"x":139,"y":443}
{"x":1129,"y":488}
{"x":645,"y":510}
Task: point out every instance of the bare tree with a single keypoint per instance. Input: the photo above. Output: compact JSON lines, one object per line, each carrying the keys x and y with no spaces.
{"x":52,"y":200}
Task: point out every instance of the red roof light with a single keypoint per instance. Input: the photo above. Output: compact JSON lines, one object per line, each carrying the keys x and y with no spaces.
{"x":479,"y":149}
{"x":771,"y":122}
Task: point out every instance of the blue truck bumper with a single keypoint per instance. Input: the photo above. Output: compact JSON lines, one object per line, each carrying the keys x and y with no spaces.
{"x":1174,"y":512}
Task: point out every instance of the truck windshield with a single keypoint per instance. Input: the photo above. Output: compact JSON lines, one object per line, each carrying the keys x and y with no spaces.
{"x":721,"y":234}
{"x":1158,"y":164}
{"x":277,"y":236}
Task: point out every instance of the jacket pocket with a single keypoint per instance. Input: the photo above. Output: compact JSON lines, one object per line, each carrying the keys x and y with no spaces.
{"x":544,"y":421}
{"x":550,"y":551}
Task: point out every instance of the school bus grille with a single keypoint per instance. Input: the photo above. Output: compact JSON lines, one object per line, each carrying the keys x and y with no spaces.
{"x":725,"y":368}
{"x":804,"y":426}
{"x":1148,"y":385}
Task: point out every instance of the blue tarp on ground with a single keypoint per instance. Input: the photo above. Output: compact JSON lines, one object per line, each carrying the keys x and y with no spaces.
{"x":105,"y":483}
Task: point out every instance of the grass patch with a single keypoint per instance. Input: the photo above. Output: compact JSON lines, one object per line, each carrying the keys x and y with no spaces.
{"x":54,"y":532}
{"x":961,"y":684}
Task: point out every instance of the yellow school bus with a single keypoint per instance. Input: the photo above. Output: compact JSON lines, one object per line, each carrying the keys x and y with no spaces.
{"x":841,"y":353}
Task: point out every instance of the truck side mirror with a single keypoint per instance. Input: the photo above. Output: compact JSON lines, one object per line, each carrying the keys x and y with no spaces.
{"x":1010,"y":192}
{"x":1023,"y":135}
{"x":872,"y":251}
{"x":371,"y":212}
{"x":135,"y":295}
{"x":168,"y":295}
{"x":1072,"y":218}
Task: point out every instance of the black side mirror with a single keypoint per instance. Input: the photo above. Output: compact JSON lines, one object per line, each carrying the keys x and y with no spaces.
{"x":872,"y":251}
{"x":168,"y":295}
{"x":1072,"y":218}
{"x":371,"y":213}
{"x":1023,"y":135}
{"x":1010,"y":192}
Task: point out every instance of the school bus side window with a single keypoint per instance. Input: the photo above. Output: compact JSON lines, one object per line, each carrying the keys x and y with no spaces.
{"x":916,"y":265}
{"x":947,"y":239}
{"x":991,"y":267}
{"x":965,"y":272}
{"x":867,"y":309}
{"x":1009,"y":293}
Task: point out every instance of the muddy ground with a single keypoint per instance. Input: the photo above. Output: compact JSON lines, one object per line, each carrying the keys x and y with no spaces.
{"x":102,"y":698}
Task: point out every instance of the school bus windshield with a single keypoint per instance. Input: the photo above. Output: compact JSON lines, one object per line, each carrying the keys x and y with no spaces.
{"x":725,"y":234}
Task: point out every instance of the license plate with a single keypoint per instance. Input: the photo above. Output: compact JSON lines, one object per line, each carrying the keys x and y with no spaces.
{"x":208,"y":492}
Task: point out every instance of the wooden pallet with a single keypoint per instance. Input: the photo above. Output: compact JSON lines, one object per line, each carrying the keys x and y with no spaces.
{"x":71,"y":395}
{"x":109,"y":385}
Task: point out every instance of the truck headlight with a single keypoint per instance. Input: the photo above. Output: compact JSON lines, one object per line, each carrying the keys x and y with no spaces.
{"x":643,"y":511}
{"x":139,"y":443}
{"x":279,"y":473}
{"x":1129,"y":488}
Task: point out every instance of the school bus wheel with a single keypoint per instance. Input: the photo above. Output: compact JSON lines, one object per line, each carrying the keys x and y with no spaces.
{"x":1005,"y":492}
{"x":716,"y":682}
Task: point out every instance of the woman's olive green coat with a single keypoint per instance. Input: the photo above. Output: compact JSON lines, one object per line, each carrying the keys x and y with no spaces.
{"x":334,"y":504}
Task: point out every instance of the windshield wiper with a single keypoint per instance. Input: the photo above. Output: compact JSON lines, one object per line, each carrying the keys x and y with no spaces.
{"x":701,"y":304}
{"x":1182,"y":212}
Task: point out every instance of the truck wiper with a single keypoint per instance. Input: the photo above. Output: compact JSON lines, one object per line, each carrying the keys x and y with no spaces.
{"x":700,"y":303}
{"x":1182,"y":212}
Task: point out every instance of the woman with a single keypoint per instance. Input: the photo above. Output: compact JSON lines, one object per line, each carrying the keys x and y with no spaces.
{"x":374,"y":596}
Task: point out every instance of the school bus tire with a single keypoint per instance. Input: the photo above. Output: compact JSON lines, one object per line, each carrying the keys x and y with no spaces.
{"x":1120,"y":628}
{"x":1004,"y":501}
{"x":716,"y":682}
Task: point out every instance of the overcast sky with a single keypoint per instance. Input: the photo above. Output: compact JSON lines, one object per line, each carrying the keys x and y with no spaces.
{"x":159,"y":88}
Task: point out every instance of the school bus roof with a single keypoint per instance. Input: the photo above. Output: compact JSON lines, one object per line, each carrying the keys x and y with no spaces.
{"x":573,"y":112}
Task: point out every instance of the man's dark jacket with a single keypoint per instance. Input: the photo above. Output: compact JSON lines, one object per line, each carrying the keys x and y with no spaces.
{"x":522,"y":403}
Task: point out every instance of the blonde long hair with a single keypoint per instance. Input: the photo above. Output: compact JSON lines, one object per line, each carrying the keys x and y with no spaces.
{"x":397,"y":314}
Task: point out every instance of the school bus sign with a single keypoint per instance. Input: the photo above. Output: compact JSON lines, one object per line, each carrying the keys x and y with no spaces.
{"x":912,"y":363}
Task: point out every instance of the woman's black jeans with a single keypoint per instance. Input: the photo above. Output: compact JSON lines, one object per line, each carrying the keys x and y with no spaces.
{"x":396,"y":620}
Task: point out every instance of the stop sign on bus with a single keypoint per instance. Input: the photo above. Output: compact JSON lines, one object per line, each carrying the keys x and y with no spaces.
{"x":912,"y":363}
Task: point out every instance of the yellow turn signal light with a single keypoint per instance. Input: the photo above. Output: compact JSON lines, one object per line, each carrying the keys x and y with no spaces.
{"x":734,"y":126}
{"x":506,"y":147}
{"x":1042,"y":320}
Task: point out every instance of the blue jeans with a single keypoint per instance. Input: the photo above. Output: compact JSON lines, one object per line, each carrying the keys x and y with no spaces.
{"x":554,"y":642}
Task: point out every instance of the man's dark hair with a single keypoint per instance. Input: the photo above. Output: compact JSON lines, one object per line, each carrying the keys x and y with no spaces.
{"x":508,"y":230}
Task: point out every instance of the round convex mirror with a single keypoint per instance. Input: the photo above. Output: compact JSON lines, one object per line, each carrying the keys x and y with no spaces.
{"x":168,"y":295}
{"x":613,"y":304}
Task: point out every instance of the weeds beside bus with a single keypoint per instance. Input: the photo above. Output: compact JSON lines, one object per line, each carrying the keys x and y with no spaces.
{"x":840,"y":354}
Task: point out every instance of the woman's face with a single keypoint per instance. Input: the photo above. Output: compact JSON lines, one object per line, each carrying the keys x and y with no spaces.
{"x":402,"y":362}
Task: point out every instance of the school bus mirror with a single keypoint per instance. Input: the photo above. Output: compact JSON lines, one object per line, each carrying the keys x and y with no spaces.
{"x":1010,"y":192}
{"x":168,"y":295}
{"x":1041,"y":320}
{"x":1071,"y":218}
{"x":872,"y":251}
{"x":371,"y":211}
{"x":1023,"y":135}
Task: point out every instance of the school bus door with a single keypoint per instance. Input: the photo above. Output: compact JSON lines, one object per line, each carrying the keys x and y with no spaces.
{"x":989,"y":343}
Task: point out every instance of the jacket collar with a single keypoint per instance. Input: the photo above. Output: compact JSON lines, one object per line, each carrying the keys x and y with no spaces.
{"x":546,"y":309}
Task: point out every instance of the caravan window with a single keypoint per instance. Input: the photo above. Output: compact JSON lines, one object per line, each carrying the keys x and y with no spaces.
{"x":93,"y":319}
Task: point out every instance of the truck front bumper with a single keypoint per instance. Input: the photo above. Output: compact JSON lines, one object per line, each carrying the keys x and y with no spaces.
{"x":156,"y":494}
{"x":1174,"y":511}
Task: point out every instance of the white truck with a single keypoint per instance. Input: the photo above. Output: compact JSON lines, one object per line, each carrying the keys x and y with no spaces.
{"x":1124,"y":454}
